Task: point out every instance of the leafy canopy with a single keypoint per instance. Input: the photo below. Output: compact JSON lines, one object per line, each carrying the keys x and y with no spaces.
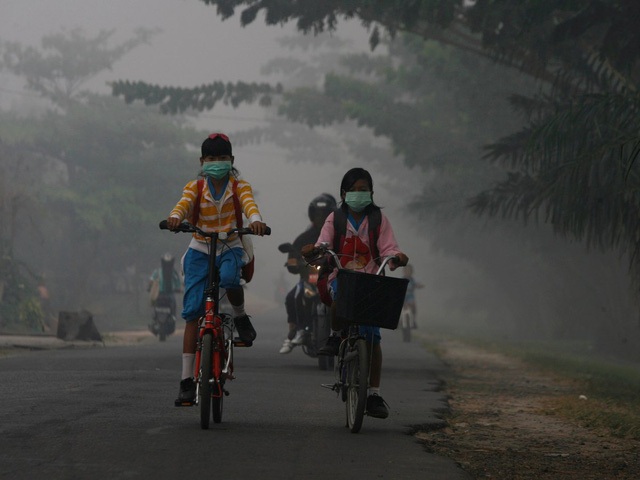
{"x":574,"y":162}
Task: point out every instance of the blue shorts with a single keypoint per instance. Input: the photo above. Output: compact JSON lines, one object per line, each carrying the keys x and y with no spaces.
{"x":196,"y":270}
{"x":370,"y":333}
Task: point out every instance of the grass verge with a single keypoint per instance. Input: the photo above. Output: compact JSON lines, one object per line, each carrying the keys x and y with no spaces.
{"x":610,"y":389}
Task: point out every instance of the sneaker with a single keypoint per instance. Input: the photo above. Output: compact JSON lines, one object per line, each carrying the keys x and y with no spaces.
{"x":245,"y":330}
{"x":300,"y":338}
{"x":286,"y":346}
{"x":187,"y":393}
{"x":376,"y":407}
{"x":331,"y":347}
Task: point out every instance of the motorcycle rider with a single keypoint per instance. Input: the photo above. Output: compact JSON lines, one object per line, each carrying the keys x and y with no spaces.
{"x":162,"y":291}
{"x":298,"y":311}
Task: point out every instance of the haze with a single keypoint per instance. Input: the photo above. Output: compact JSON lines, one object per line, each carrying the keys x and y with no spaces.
{"x":196,"y":47}
{"x":470,"y":274}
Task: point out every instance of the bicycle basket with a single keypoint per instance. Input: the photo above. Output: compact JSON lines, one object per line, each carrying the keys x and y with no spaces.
{"x":367,"y":299}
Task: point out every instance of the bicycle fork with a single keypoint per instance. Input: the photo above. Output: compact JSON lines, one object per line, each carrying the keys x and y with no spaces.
{"x":221,"y":361}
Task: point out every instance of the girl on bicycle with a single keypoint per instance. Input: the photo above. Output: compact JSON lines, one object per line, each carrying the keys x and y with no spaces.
{"x":213,"y":201}
{"x":359,"y":249}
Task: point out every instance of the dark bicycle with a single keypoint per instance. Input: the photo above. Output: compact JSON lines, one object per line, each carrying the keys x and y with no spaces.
{"x":363,"y":299}
{"x":214,"y":351}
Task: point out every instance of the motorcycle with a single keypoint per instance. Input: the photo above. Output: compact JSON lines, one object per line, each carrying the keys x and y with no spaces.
{"x":318,"y":327}
{"x":163,"y":320}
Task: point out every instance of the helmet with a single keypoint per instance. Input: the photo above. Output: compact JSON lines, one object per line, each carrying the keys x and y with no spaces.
{"x":167,"y":257}
{"x":324,"y":204}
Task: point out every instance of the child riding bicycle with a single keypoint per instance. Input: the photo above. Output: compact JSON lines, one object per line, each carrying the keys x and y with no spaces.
{"x":360,"y":234}
{"x":212,"y":204}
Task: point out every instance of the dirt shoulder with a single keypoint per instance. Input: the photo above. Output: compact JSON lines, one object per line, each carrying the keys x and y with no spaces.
{"x":12,"y":344}
{"x":502,"y":423}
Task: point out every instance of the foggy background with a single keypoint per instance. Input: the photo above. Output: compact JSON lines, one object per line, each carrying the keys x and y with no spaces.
{"x":479,"y":276}
{"x":196,"y":47}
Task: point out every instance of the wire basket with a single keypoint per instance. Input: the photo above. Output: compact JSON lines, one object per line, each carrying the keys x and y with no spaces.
{"x":367,"y":299}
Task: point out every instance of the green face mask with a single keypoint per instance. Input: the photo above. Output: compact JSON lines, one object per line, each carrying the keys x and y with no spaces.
{"x":216,"y":169}
{"x":358,"y":201}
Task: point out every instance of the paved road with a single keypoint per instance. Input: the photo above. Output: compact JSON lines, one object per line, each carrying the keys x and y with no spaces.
{"x":107,"y":413}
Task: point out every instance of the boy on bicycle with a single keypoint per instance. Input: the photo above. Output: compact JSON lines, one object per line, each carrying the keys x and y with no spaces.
{"x":360,"y":244}
{"x":214,"y":202}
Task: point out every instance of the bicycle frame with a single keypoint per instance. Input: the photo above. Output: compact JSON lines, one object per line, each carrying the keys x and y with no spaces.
{"x":220,"y":326}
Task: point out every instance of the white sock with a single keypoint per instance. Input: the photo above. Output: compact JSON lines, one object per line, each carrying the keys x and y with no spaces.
{"x":188,"y":361}
{"x":373,"y":391}
{"x":239,"y":310}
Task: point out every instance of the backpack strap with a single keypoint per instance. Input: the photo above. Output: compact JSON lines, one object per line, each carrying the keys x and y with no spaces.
{"x":248,"y":269}
{"x":196,"y":205}
{"x":375,"y":220}
{"x":340,"y":230}
{"x":236,"y":204}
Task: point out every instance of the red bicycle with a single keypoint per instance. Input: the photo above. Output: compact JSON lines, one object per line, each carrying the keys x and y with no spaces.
{"x":214,"y":351}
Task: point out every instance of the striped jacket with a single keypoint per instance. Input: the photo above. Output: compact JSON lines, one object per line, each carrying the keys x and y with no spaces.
{"x":216,"y":215}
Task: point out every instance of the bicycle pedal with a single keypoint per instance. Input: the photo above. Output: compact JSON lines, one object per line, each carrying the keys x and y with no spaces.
{"x":179,"y":403}
{"x":331,"y":386}
{"x":239,"y":343}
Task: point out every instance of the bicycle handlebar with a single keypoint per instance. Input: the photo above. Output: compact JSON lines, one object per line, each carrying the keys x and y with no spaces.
{"x":324,"y":248}
{"x":188,"y":228}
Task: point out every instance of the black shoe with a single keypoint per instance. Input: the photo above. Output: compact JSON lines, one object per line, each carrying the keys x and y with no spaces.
{"x":187,"y":393}
{"x":376,"y":407}
{"x":245,"y":330}
{"x":331,"y":347}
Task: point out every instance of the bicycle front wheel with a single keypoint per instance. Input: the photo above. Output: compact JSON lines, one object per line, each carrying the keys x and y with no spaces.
{"x":217,"y":402}
{"x":204,"y":392}
{"x":357,"y":385}
{"x":217,"y":397}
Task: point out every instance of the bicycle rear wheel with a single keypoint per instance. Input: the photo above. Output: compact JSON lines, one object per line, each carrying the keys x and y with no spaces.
{"x":204,"y":392}
{"x":322,"y":327}
{"x":357,"y":385}
{"x":325,"y":362}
